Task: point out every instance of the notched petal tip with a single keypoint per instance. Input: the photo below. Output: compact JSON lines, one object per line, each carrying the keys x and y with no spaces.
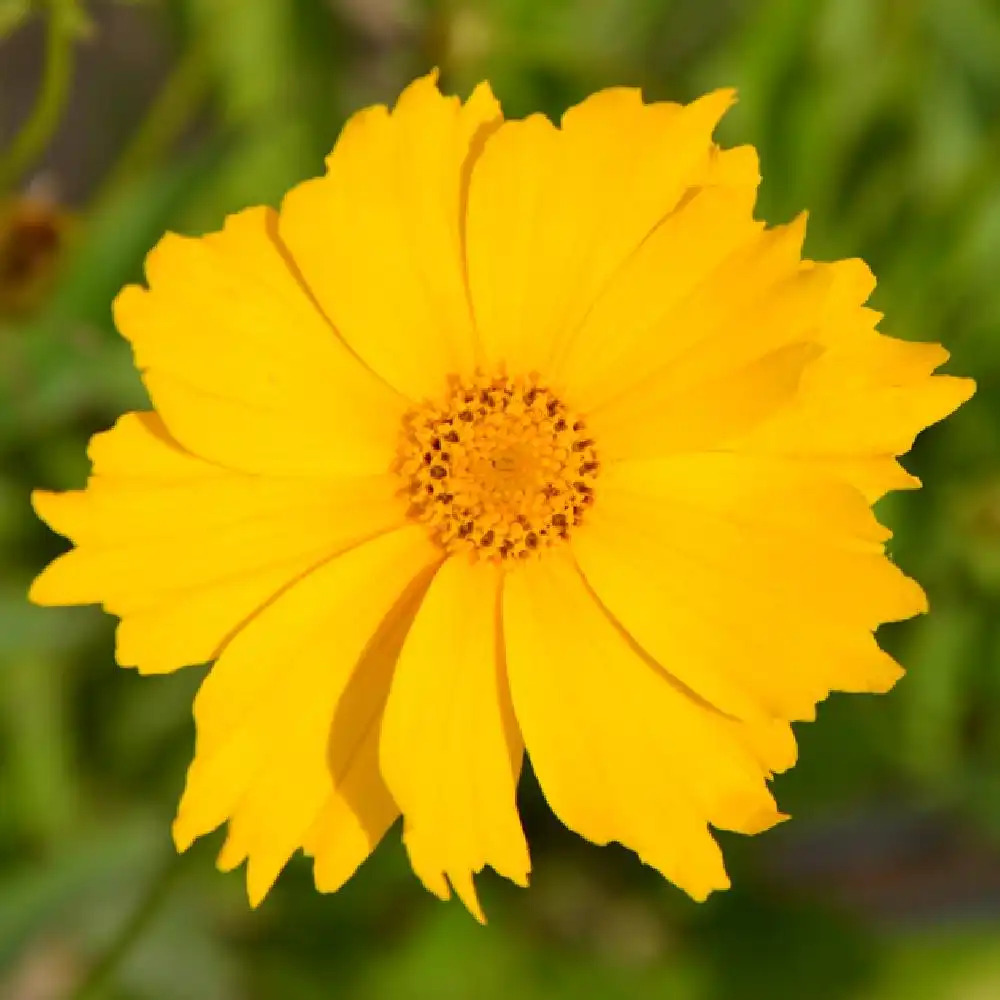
{"x":701,"y":891}
{"x":431,"y":78}
{"x":707,"y":111}
{"x":613,"y":101}
{"x":426,"y":87}
{"x":797,"y":227}
{"x":717,"y":101}
{"x":436,"y":884}
{"x":127,"y":308}
{"x":962,"y":387}
{"x":785,"y":242}
{"x":182,"y":834}
{"x":133,"y":651}
{"x":48,"y":506}
{"x":853,"y":280}
{"x":41,"y":592}
{"x":261,"y":877}
{"x":465,"y":889}
{"x":883,"y":682}
{"x":65,"y":581}
{"x":245,"y":224}
{"x":735,"y":167}
{"x":773,"y":745}
{"x":484,"y":113}
{"x":231,"y":855}
{"x":912,"y":598}
{"x":762,"y":820}
{"x":521,"y":879}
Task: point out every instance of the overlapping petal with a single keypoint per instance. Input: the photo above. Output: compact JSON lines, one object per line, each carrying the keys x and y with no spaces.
{"x":268,"y":718}
{"x":755,"y":581}
{"x":724,"y":356}
{"x":867,"y":396}
{"x":621,"y":752}
{"x":243,"y":368}
{"x":553,"y":213}
{"x":184,"y":551}
{"x":648,"y":303}
{"x":450,"y":749}
{"x":378,"y":238}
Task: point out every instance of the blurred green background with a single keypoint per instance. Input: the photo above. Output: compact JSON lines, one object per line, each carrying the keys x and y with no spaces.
{"x":119,"y":120}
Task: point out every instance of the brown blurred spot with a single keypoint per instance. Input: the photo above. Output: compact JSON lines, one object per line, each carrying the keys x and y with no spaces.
{"x":895,"y":864}
{"x":32,"y":237}
{"x":47,"y":969}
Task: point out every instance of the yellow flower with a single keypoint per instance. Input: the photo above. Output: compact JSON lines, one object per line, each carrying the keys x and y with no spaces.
{"x":501,"y":436}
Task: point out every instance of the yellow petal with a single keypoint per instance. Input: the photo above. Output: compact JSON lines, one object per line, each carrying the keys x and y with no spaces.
{"x":712,"y":316}
{"x":621,"y":753}
{"x":360,"y":808}
{"x":378,"y":238}
{"x":642,"y":307}
{"x":352,"y":821}
{"x":719,"y":360}
{"x":554,"y":213}
{"x":680,"y":411}
{"x":267,"y":715}
{"x":866,"y":397}
{"x":185,"y":551}
{"x":756,"y":582}
{"x":450,"y":749}
{"x":241,"y":365}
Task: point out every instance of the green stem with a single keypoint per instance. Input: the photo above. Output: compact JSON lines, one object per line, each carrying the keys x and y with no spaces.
{"x":181,"y":95}
{"x":44,"y":118}
{"x":107,"y":964}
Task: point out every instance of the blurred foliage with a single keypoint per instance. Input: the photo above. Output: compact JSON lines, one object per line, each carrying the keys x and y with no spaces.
{"x":881,"y":117}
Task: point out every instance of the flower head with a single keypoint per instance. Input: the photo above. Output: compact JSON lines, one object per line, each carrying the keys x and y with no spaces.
{"x":501,"y":437}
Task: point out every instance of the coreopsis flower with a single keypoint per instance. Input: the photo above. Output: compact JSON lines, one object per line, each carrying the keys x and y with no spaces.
{"x":501,"y":437}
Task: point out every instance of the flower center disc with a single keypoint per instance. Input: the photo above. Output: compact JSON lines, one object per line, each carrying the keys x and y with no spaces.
{"x":499,"y":469}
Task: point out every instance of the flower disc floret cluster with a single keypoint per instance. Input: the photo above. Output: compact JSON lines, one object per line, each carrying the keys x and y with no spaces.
{"x":501,"y":469}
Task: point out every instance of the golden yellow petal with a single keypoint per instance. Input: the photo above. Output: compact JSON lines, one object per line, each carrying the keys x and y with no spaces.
{"x":866,"y":397}
{"x":554,"y":213}
{"x":268,"y":713}
{"x":872,"y":475}
{"x":352,"y":821}
{"x":620,"y":751}
{"x":378,"y":238}
{"x":756,"y":582}
{"x":718,"y":361}
{"x":640,"y":313}
{"x":359,"y":809}
{"x":450,"y":750}
{"x":682,"y":411}
{"x":185,"y":552}
{"x":243,"y":368}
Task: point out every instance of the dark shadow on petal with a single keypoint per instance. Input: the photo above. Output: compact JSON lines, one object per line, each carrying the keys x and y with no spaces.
{"x":352,"y":749}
